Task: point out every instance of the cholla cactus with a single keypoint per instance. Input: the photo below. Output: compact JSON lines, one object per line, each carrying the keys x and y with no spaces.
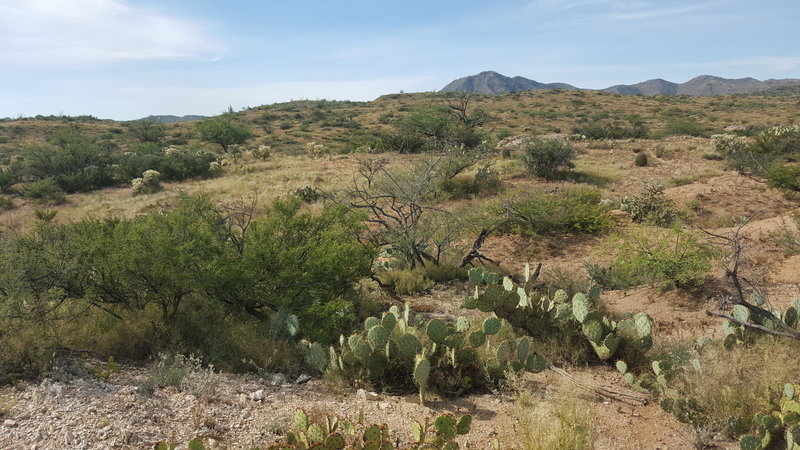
{"x":315,"y":150}
{"x":728,"y":144}
{"x":215,"y":169}
{"x":172,"y":151}
{"x":148,"y":184}
{"x":262,"y":152}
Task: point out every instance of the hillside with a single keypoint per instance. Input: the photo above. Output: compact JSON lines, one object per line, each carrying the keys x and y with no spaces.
{"x":102,"y":289}
{"x":490,"y":83}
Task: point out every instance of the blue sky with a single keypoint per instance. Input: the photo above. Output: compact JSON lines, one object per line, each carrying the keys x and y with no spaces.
{"x":125,"y":59}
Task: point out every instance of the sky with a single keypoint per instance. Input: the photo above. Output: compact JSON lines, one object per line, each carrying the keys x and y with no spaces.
{"x":126,"y":59}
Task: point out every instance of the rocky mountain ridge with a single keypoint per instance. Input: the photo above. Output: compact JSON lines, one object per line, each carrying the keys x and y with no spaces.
{"x":490,"y":82}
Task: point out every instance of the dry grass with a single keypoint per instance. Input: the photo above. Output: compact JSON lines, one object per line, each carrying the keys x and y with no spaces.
{"x":558,"y":421}
{"x":732,"y":385}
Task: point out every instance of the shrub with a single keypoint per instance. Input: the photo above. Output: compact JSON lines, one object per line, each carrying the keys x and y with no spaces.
{"x":673,"y":257}
{"x":610,"y":130}
{"x":486,"y":182}
{"x":682,"y":126}
{"x":768,"y":148}
{"x":6,"y":203}
{"x":547,"y":157}
{"x":728,"y":144}
{"x":640,"y":160}
{"x":650,"y":206}
{"x":784,"y":176}
{"x":578,"y":209}
{"x":8,"y":178}
{"x":406,"y":281}
{"x":43,"y":191}
{"x":224,"y":131}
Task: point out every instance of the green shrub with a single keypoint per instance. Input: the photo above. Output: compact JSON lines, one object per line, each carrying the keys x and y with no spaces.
{"x":682,"y":126}
{"x":640,"y":160}
{"x":650,"y":205}
{"x":406,"y":281}
{"x":611,"y":130}
{"x":673,"y":257}
{"x":784,"y":176}
{"x":485,"y":183}
{"x":575,"y":210}
{"x":6,"y":203}
{"x":546,"y":158}
{"x":44,"y":191}
{"x":8,"y":178}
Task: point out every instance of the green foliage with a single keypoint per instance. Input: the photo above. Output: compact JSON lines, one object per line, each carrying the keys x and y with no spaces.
{"x":72,"y":160}
{"x":672,"y":257}
{"x":485,"y":183}
{"x":223,"y":130}
{"x":640,"y":160}
{"x":172,"y":163}
{"x":546,"y":158}
{"x":9,"y":176}
{"x":650,"y":205}
{"x":406,"y":281}
{"x":611,"y":130}
{"x":145,"y":130}
{"x":682,"y":126}
{"x":574,"y":210}
{"x":181,"y":279}
{"x":783,"y":176}
{"x":45,"y":191}
{"x":772,"y":150}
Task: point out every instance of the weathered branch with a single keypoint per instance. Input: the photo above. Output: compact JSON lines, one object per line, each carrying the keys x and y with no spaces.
{"x":795,"y":335}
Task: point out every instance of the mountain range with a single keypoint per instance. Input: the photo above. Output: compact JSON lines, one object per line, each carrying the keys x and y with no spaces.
{"x":491,"y":82}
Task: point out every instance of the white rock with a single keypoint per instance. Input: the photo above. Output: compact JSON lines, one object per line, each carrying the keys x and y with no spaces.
{"x":383,"y":405}
{"x":361,"y":395}
{"x":9,"y":423}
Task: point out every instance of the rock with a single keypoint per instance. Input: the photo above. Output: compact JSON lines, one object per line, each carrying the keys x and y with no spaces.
{"x":373,"y":396}
{"x":258,"y":396}
{"x":383,"y":405}
{"x":361,"y":395}
{"x":9,"y":423}
{"x":303,"y":379}
{"x":276,"y":379}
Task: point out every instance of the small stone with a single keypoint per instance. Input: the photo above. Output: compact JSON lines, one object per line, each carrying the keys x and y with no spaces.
{"x":276,"y":379}
{"x":361,"y":395}
{"x":9,"y":423}
{"x":303,"y":379}
{"x":373,"y":396}
{"x":258,"y":395}
{"x":383,"y":405}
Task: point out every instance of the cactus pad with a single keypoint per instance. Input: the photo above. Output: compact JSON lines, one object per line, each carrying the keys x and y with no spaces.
{"x":377,"y":337}
{"x":409,"y":345}
{"x":491,"y":326}
{"x":445,"y":426}
{"x":421,"y":372}
{"x":560,"y":296}
{"x":477,"y":339}
{"x":464,"y":424}
{"x":389,"y":321}
{"x":535,"y":363}
{"x":301,"y":420}
{"x":462,"y":324}
{"x":371,"y":322}
{"x":316,"y":433}
{"x":593,"y":330}
{"x":437,"y":331}
{"x":580,"y":307}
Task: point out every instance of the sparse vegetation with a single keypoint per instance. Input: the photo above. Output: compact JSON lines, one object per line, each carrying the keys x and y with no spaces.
{"x":271,"y":289}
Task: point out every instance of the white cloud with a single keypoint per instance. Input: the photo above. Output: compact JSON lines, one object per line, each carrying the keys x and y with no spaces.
{"x":42,"y":32}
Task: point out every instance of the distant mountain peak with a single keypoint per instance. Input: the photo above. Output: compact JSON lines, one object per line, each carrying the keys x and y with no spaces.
{"x":490,"y":82}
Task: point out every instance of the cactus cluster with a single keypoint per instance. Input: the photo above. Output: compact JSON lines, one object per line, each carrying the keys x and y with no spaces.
{"x":736,"y":333}
{"x":783,"y":423}
{"x":399,"y":349}
{"x":337,"y":434}
{"x":539,"y":315}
